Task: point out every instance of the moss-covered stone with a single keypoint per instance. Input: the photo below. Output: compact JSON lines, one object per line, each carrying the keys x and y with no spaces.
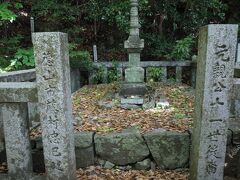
{"x":121,"y":148}
{"x":169,"y":149}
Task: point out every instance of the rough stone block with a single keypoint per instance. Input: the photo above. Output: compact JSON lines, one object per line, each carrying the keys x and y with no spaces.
{"x":169,"y":149}
{"x":84,"y":149}
{"x":121,"y":148}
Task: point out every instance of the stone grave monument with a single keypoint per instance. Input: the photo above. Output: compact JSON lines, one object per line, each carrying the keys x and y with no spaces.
{"x":215,"y":68}
{"x":133,"y":85}
{"x":54,"y":96}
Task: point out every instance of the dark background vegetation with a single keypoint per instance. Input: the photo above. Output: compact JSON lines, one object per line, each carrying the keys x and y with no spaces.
{"x":169,"y":27}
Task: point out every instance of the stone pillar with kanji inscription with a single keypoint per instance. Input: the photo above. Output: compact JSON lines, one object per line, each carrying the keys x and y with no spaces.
{"x":215,"y":68}
{"x":55,"y":107}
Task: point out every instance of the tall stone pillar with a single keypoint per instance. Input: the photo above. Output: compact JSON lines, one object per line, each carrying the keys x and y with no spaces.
{"x":55,"y":106}
{"x":216,"y":58}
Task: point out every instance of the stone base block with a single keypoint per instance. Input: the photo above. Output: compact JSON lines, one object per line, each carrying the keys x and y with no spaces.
{"x":129,"y":89}
{"x":134,"y":75}
{"x":135,"y":100}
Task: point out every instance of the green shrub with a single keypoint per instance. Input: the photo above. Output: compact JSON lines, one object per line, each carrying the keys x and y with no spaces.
{"x":99,"y":74}
{"x":23,"y":59}
{"x":157,"y":46}
{"x":155,"y":73}
{"x":112,"y":74}
{"x":80,"y":59}
{"x":182,"y":49}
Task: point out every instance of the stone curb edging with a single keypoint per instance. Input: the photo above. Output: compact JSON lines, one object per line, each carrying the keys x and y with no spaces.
{"x":131,"y":150}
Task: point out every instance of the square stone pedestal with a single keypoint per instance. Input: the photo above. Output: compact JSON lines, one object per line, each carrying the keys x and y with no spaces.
{"x":133,"y":89}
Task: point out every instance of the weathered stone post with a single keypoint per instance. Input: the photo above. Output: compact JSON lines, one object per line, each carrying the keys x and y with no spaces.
{"x":54,"y":95}
{"x":134,"y":74}
{"x":216,"y":56}
{"x":14,"y":113}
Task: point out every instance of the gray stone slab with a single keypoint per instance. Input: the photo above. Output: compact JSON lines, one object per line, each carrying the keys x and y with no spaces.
{"x":55,"y":106}
{"x":18,"y":148}
{"x":216,"y":58}
{"x":18,"y":92}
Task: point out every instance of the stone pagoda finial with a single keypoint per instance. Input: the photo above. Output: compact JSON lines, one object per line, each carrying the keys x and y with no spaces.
{"x":134,"y":43}
{"x":134,"y":20}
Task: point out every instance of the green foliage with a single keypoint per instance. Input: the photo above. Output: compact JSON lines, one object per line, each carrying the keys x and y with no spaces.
{"x":182,"y":49}
{"x":8,"y":49}
{"x":23,"y":59}
{"x":157,"y":46}
{"x":112,"y":74}
{"x":155,"y":74}
{"x":103,"y":75}
{"x":106,"y":23}
{"x":99,"y":74}
{"x":6,"y":14}
{"x":80,"y":59}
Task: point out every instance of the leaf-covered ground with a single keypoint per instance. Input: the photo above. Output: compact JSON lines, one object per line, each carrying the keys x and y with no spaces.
{"x":90,"y":117}
{"x":97,"y":173}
